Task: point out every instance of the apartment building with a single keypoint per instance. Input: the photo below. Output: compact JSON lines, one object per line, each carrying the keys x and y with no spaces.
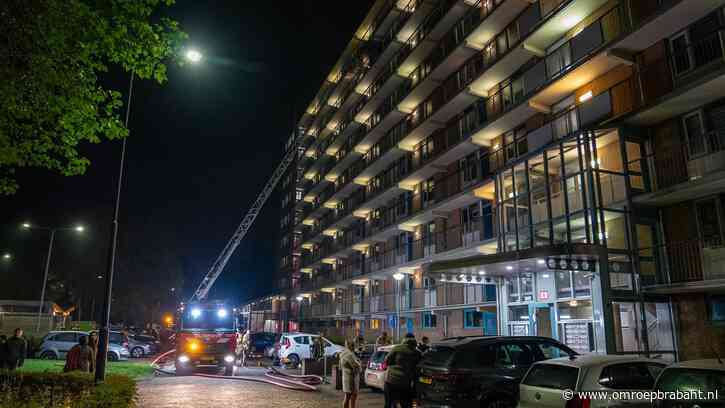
{"x":550,"y":167}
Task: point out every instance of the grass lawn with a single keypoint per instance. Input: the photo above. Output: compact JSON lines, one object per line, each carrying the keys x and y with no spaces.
{"x":133,"y":369}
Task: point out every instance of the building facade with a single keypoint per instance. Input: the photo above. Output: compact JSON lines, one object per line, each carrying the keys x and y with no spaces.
{"x":516,"y":167}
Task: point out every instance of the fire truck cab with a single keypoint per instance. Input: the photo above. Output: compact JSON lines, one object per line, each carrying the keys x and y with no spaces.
{"x":206,"y":335}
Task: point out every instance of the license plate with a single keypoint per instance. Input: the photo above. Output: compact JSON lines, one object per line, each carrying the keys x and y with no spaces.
{"x":426,"y":380}
{"x":207,"y":359}
{"x":372,"y":377}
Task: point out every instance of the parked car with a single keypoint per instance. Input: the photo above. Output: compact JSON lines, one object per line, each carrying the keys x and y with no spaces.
{"x":56,"y":345}
{"x":375,"y":371}
{"x":295,"y":347}
{"x":546,"y":380}
{"x":707,"y":376}
{"x":481,"y":371}
{"x":154,"y":344}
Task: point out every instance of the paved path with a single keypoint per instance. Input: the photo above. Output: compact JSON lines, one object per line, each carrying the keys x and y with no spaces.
{"x":199,"y":392}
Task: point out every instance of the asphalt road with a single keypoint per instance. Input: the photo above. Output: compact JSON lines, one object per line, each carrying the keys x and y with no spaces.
{"x":200,"y":392}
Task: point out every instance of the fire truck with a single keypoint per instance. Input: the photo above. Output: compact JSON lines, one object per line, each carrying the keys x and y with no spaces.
{"x":206,"y":335}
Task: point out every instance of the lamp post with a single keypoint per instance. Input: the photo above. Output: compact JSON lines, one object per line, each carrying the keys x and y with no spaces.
{"x":52,"y":230}
{"x":193,"y":56}
{"x":398,"y":277}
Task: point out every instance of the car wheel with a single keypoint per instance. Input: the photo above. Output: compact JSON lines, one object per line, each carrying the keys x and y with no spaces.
{"x":294,"y":360}
{"x":183,"y":370}
{"x":498,"y":402}
{"x":137,"y":352}
{"x":112,"y":356}
{"x":229,"y":370}
{"x":48,"y":355}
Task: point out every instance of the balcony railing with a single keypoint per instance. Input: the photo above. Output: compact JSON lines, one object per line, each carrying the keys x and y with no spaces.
{"x":685,"y":261}
{"x":439,"y":295}
{"x":679,"y":163}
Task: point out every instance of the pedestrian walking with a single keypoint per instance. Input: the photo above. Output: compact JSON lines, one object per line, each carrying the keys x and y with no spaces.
{"x":402,"y":369}
{"x":243,"y":347}
{"x":351,"y":367}
{"x":17,"y":349}
{"x":383,"y":340}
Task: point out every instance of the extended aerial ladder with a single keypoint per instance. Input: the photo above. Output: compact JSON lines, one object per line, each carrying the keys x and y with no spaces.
{"x":218,"y":266}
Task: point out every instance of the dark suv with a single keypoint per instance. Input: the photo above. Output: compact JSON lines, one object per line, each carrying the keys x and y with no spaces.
{"x":481,"y":371}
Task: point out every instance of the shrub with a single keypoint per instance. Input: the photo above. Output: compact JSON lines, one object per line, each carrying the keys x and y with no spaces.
{"x":71,"y":390}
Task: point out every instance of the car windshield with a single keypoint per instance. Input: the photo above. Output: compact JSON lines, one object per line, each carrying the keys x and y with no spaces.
{"x":438,"y":356}
{"x":688,"y":379}
{"x":196,"y":319}
{"x":552,"y":376}
{"x":378,"y":357}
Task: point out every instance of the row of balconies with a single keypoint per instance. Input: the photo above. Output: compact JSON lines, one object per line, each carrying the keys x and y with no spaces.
{"x":441,"y":295}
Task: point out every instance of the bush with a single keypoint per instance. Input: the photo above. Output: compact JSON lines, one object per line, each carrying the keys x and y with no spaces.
{"x":71,"y":390}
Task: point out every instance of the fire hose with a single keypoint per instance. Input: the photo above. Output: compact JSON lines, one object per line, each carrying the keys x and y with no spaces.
{"x":272,"y":376}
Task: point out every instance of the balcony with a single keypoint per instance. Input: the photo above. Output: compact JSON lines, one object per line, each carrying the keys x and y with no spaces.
{"x":687,"y":266}
{"x":692,"y":74}
{"x":548,"y":80}
{"x":458,"y":45}
{"x":687,"y":171}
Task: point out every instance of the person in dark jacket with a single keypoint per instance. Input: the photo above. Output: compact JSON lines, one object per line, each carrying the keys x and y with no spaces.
{"x":402,"y":364}
{"x":3,"y":350}
{"x":17,"y":349}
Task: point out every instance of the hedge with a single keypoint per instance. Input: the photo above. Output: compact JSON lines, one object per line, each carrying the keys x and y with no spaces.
{"x":71,"y":390}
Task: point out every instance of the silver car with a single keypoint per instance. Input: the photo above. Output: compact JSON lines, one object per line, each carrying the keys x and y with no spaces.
{"x":56,"y":345}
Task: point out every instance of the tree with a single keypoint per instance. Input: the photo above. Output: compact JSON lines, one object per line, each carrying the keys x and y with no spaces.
{"x":51,"y":55}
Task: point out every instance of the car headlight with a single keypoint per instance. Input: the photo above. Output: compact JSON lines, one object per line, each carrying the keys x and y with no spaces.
{"x":229,"y":358}
{"x":183,"y":359}
{"x":193,"y":346}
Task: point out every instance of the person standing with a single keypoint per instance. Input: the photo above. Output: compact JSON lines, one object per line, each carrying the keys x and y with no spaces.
{"x":424,"y":345}
{"x":402,"y":364}
{"x":93,"y":343}
{"x":86,"y":356}
{"x":3,"y":350}
{"x":17,"y":349}
{"x":351,"y":367}
{"x":383,"y":340}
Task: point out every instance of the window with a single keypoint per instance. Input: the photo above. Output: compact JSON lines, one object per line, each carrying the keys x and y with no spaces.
{"x":472,"y":319}
{"x":429,"y":320}
{"x":681,"y":56}
{"x":374,"y":324}
{"x":694,"y":132}
{"x":298,"y":194}
{"x":630,"y":376}
{"x":513,"y":355}
{"x":302,"y":339}
{"x":550,"y":350}
{"x":66,"y":337}
{"x":552,"y":376}
{"x":716,"y":309}
{"x":709,"y":223}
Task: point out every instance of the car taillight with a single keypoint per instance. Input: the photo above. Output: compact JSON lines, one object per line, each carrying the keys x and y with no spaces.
{"x":285,"y":342}
{"x":125,"y":344}
{"x":383,"y":366}
{"x":579,"y":402}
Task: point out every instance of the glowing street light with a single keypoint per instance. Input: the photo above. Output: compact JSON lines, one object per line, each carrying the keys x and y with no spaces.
{"x":7,"y":256}
{"x":28,"y":226}
{"x":398,"y":277}
{"x":193,"y":55}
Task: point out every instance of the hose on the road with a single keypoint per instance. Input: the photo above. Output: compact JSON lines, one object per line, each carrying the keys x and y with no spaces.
{"x":273,"y":377}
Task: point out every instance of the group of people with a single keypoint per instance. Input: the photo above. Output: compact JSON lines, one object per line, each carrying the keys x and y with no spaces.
{"x":13,"y":350}
{"x":402,"y":362}
{"x":82,"y":356}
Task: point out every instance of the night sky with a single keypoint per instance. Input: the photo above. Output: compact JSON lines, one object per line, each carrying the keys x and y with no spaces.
{"x":201,"y":148}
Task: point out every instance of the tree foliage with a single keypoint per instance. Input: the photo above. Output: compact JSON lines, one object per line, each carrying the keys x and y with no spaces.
{"x":51,"y":55}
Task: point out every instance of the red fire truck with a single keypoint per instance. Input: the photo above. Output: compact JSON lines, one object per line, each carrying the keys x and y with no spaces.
{"x":206,"y":335}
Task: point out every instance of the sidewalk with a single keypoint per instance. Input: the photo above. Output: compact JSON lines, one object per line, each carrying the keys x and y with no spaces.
{"x":367,"y":398}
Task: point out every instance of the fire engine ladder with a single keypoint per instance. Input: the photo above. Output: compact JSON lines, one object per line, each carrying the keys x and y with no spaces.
{"x":218,"y":266}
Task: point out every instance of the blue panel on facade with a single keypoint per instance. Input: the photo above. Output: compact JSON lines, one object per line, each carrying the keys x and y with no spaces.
{"x":584,"y":43}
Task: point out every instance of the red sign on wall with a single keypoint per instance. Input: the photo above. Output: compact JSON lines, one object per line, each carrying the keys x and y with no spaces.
{"x":543,"y":295}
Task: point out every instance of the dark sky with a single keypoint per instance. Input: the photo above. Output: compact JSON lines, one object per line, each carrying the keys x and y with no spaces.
{"x":201,"y":148}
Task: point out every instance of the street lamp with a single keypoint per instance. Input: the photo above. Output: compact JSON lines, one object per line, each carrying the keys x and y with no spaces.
{"x":52,"y":230}
{"x":193,"y":56}
{"x":7,"y":256}
{"x":398,"y":277}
